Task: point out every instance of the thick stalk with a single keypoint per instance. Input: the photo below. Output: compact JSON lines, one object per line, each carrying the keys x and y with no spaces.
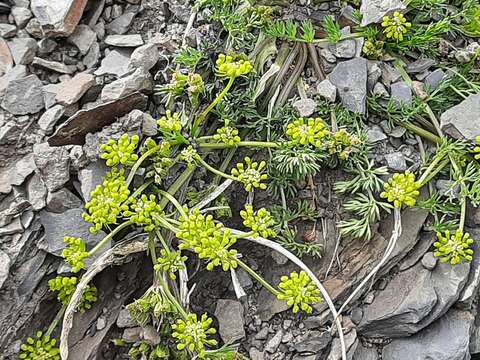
{"x":433,"y":169}
{"x":56,"y":320}
{"x":257,"y":277}
{"x":174,"y":201}
{"x":213,"y":170}
{"x":139,"y":162}
{"x":107,"y":238}
{"x":177,"y":185}
{"x":172,"y":298}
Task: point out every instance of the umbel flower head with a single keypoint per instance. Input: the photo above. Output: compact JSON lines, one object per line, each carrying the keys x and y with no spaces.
{"x":189,"y":156}
{"x":40,"y":347}
{"x":299,"y":291}
{"x":260,"y":222}
{"x":193,"y":334}
{"x":341,"y":143}
{"x":76,"y":253}
{"x":307,"y":131}
{"x":396,"y":26}
{"x":373,"y":48}
{"x":401,"y":189}
{"x":108,"y":200}
{"x":233,"y":66}
{"x":161,"y":159}
{"x":143,"y":211}
{"x":170,"y":262}
{"x":476,"y":150}
{"x":170,"y":122}
{"x":209,"y":240}
{"x":454,"y":248}
{"x":65,"y":287}
{"x":250,"y":174}
{"x":121,"y":151}
{"x":227,"y":135}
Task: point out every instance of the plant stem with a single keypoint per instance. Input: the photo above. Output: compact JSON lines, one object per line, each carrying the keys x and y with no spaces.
{"x":260,"y":144}
{"x":433,"y":169}
{"x":151,"y":249}
{"x":257,"y":277}
{"x":107,"y":238}
{"x":139,"y":190}
{"x":204,"y":114}
{"x":174,"y":202}
{"x":215,"y":171}
{"x":166,"y":224}
{"x":139,"y":162}
{"x":56,"y":320}
{"x":177,"y":185}
{"x":172,"y":298}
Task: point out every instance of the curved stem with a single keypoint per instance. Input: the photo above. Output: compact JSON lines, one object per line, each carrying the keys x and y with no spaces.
{"x":177,"y":185}
{"x":260,"y":144}
{"x":432,"y":171}
{"x":215,"y":171}
{"x":174,"y":201}
{"x":172,"y":298}
{"x":463,"y":213}
{"x":56,"y":320}
{"x":139,"y":162}
{"x":257,"y":277}
{"x":166,"y":224}
{"x":107,"y":238}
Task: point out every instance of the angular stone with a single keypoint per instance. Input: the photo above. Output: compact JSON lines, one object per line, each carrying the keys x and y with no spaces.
{"x":401,"y":93}
{"x":7,"y":31}
{"x":4,"y":267}
{"x":91,"y":59}
{"x":34,"y":28}
{"x":37,"y":192}
{"x":272,"y":345}
{"x":350,"y":78}
{"x":14,"y":227}
{"x":58,"y":18}
{"x":434,"y":79}
{"x":351,"y":343}
{"x":132,"y":40}
{"x":54,"y":66}
{"x":471,"y":290}
{"x":420,"y":65}
{"x":62,"y":200}
{"x":21,"y":16}
{"x":344,"y":49}
{"x":74,"y":130}
{"x":23,"y":50}
{"x":83,"y":38}
{"x":23,"y":168}
{"x":116,"y":63}
{"x":6,"y":59}
{"x":68,"y":223}
{"x":305,"y":107}
{"x":229,"y":314}
{"x":72,"y":90}
{"x":53,"y":164}
{"x":50,"y":118}
{"x":461,"y":121}
{"x":24,"y":96}
{"x":46,"y":46}
{"x":138,"y":81}
{"x":374,"y":10}
{"x":144,"y":57}
{"x":446,"y":339}
{"x":90,"y":177}
{"x":312,"y":342}
{"x":120,"y":25}
{"x":363,"y":353}
{"x":124,"y":320}
{"x":49,"y":94}
{"x":327,"y":90}
{"x":396,"y":161}
{"x":376,"y":134}
{"x":429,"y":261}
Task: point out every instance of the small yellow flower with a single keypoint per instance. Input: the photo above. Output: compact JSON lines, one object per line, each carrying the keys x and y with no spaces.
{"x":233,"y":66}
{"x":308,"y":131}
{"x":454,"y":248}
{"x":477,"y":148}
{"x":396,"y":26}
{"x":401,"y":189}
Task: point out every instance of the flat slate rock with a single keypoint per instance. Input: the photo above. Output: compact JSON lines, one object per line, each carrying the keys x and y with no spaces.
{"x":374,"y":10}
{"x":24,"y":96}
{"x":74,"y":130}
{"x":461,"y":121}
{"x":58,"y":18}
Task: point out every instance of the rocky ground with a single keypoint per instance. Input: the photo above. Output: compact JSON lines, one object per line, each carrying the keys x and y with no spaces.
{"x":75,"y":73}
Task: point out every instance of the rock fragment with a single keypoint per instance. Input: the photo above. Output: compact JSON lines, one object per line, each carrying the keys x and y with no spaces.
{"x":327,"y":90}
{"x":305,"y":107}
{"x":229,"y":314}
{"x":21,"y":16}
{"x":58,"y":18}
{"x":49,"y":118}
{"x":137,"y":81}
{"x":144,"y":57}
{"x":23,"y":50}
{"x":37,"y":192}
{"x":401,"y":93}
{"x":53,"y":164}
{"x":132,"y":40}
{"x":374,"y":10}
{"x":54,"y":66}
{"x":461,"y":121}
{"x":72,"y":90}
{"x":83,"y":37}
{"x":24,"y":96}
{"x":6,"y":59}
{"x":115,"y":63}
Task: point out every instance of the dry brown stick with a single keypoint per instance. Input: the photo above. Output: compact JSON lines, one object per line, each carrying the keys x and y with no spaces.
{"x":297,"y":71}
{"x":314,"y":59}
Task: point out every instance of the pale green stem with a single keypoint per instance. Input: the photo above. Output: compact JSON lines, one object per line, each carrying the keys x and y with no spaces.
{"x":56,"y":320}
{"x":139,"y":162}
{"x":435,"y":172}
{"x":430,"y":168}
{"x":174,"y":202}
{"x":172,"y":298}
{"x":107,"y":238}
{"x":177,"y":185}
{"x":257,"y":277}
{"x":215,"y":171}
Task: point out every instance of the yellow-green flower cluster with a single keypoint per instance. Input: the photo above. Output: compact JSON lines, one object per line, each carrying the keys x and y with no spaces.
{"x":170,"y":262}
{"x":107,"y":200}
{"x":233,"y":66}
{"x":150,"y":304}
{"x":396,"y":26}
{"x":143,"y":211}
{"x":250,"y":174}
{"x":40,"y":347}
{"x":373,"y":49}
{"x":189,"y":156}
{"x":454,"y":248}
{"x":299,"y":291}
{"x":401,"y":189}
{"x":170,"y":122}
{"x":260,"y":222}
{"x":192,"y":83}
{"x":75,"y":253}
{"x":227,"y":135}
{"x":477,"y":148}
{"x":209,"y":240}
{"x":161,"y":160}
{"x":310,"y":131}
{"x":341,"y":143}
{"x":144,"y":350}
{"x":65,"y":287}
{"x":194,"y":335}
{"x":121,"y":151}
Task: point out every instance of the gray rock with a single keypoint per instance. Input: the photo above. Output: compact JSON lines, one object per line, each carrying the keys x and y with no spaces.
{"x":68,"y":223}
{"x":374,"y":73}
{"x":397,"y":132}
{"x":311,"y":343}
{"x":124,"y":320}
{"x":50,"y":118}
{"x":131,"y":335}
{"x":72,"y":90}
{"x":389,"y":73}
{"x":14,"y":227}
{"x":475,"y":341}
{"x":34,"y":28}
{"x":144,"y":57}
{"x":121,"y":24}
{"x":396,"y":161}
{"x":151,"y":335}
{"x":7,"y":31}
{"x":53,"y":164}
{"x":46,"y":46}
{"x":448,"y":188}
{"x":138,"y":81}
{"x":23,"y":50}
{"x":461,"y":121}
{"x":54,"y":66}
{"x":380,"y":90}
{"x":434,"y":79}
{"x":116,"y":63}
{"x":90,"y":177}
{"x":37,"y":192}
{"x":471,"y":290}
{"x":351,"y":343}
{"x":255,"y":354}
{"x":24,"y":96}
{"x":305,"y":107}
{"x":345,"y":49}
{"x":229,"y":314}
{"x":23,"y":168}
{"x":132,"y":40}
{"x":62,"y":200}
{"x":91,"y":59}
{"x":83,"y":37}
{"x":376,"y":134}
{"x":363,"y":353}
{"x":4,"y":267}
{"x":272,"y":345}
{"x":413,"y":300}
{"x":350,"y":78}
{"x":149,"y":125}
{"x":429,"y":261}
{"x":446,"y":339}
{"x":327,"y":90}
{"x":21,"y":16}
{"x":401,"y":93}
{"x":58,"y":18}
{"x":419,"y":66}
{"x":374,"y":10}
